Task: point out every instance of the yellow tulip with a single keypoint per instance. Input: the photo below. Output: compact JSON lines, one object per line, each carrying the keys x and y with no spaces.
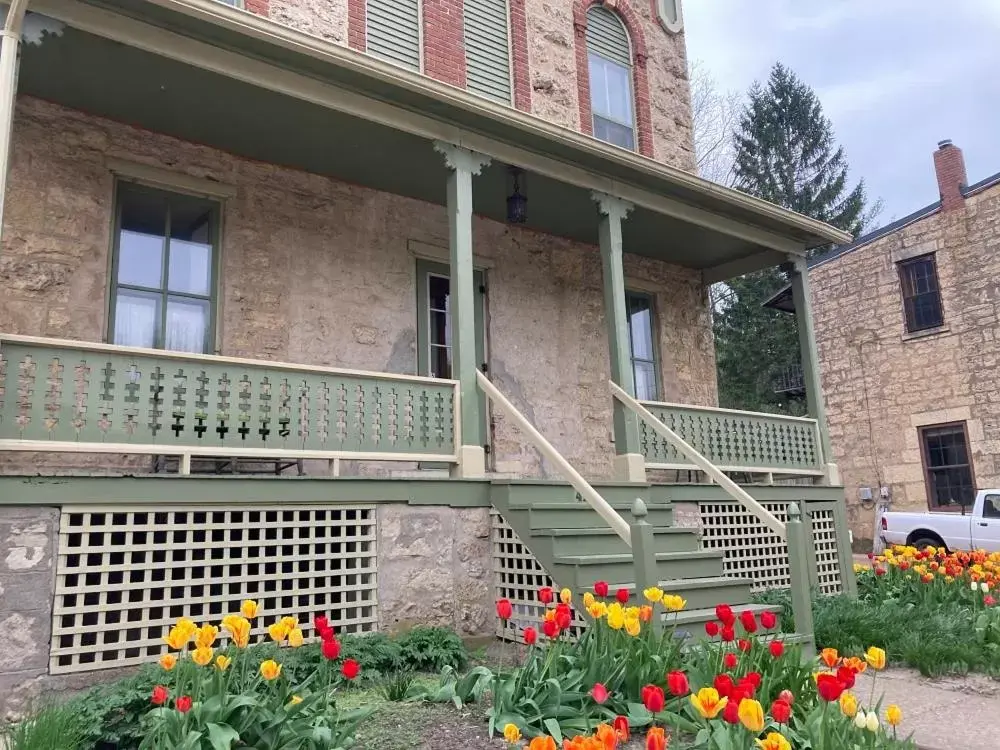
{"x":205,"y":636}
{"x":751,"y":715}
{"x":673,"y":603}
{"x":616,"y":616}
{"x":168,"y":661}
{"x":278,"y":632}
{"x":653,"y":594}
{"x":875,"y":657}
{"x":295,"y":699}
{"x":295,"y":638}
{"x":632,"y":626}
{"x":511,"y":733}
{"x":202,"y":655}
{"x":249,"y":609}
{"x":239,"y":627}
{"x":893,"y":715}
{"x":177,"y":639}
{"x":708,"y":703}
{"x":849,"y":705}
{"x":289,"y":622}
{"x":588,"y":600}
{"x":566,"y":596}
{"x":774,"y":741}
{"x":270,"y":669}
{"x":222,"y":663}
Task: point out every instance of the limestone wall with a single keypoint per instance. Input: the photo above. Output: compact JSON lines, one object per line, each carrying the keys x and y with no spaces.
{"x":881,"y":384}
{"x":317,"y":271}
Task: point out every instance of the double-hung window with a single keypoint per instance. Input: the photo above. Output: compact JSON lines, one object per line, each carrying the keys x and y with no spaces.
{"x":921,"y":293}
{"x":642,"y":345}
{"x":609,"y":59}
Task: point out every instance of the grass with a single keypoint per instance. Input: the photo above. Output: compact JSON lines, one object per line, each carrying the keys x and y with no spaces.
{"x":55,"y":727}
{"x":934,"y":641}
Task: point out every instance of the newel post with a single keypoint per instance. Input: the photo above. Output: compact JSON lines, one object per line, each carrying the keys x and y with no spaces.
{"x":798,"y":568}
{"x":644,"y":556}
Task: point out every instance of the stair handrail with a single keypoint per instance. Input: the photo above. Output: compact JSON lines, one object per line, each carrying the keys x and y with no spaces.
{"x":617,"y":523}
{"x":735,"y":491}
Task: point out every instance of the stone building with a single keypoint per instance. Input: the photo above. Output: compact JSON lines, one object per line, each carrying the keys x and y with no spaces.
{"x":908,"y":335}
{"x":387,"y":256}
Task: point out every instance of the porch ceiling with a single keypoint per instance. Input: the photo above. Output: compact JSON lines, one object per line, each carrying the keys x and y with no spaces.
{"x":102,"y":76}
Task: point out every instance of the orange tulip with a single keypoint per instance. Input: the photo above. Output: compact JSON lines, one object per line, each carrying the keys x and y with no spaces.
{"x":830,"y":657}
{"x":655,"y":739}
{"x":607,"y":736}
{"x":542,"y":743}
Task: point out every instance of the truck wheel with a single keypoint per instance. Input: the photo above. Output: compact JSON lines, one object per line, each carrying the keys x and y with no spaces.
{"x":927,"y":541}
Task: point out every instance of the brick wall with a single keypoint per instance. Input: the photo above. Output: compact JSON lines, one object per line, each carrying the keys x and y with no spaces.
{"x":548,"y":54}
{"x":322,"y":272}
{"x":881,"y":384}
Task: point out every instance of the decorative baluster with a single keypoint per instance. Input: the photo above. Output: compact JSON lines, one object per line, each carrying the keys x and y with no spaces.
{"x":283,"y":409}
{"x":224,"y":419}
{"x":302,"y":414}
{"x":155,"y":401}
{"x":129,"y":397}
{"x":54,"y":401}
{"x":342,"y":415}
{"x":321,"y":405}
{"x":178,"y":403}
{"x":106,"y":412}
{"x":409,"y":419}
{"x":392,"y":418}
{"x":375,"y":416}
{"x":423,"y":418}
{"x":265,"y":415}
{"x":25,"y":389}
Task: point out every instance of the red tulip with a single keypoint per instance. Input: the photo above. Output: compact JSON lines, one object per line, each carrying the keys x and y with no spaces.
{"x":754,"y":678}
{"x":989,"y":601}
{"x":183,"y":704}
{"x":748,"y":621}
{"x":160,"y":695}
{"x":621,"y":728}
{"x":730,"y":714}
{"x":601,"y":588}
{"x":564,"y":616}
{"x":321,"y":623}
{"x":551,"y":629}
{"x":728,"y":633}
{"x":730,"y":660}
{"x":880,"y":571}
{"x":530,"y":636}
{"x":504,"y":609}
{"x":677,"y":683}
{"x":325,"y":634}
{"x":846,"y":676}
{"x":330,"y":649}
{"x":545,"y":595}
{"x":871,"y":555}
{"x":653,"y":698}
{"x":768,"y":620}
{"x":723,"y":685}
{"x":711,"y":629}
{"x":829,"y":687}
{"x":622,"y":595}
{"x":724,"y":613}
{"x":904,"y":565}
{"x":350,"y":669}
{"x":599,"y":693}
{"x":781,"y":711}
{"x":787,"y":696}
{"x":777,"y":648}
{"x":744,"y":645}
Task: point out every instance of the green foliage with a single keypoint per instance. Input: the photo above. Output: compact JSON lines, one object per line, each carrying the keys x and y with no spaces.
{"x":431,"y":649}
{"x":53,"y":727}
{"x":452,"y":688}
{"x":784,"y":153}
{"x":111,"y":714}
{"x":397,"y":687}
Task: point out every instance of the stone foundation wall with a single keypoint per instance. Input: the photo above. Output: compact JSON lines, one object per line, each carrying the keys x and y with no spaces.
{"x":882,"y":384}
{"x":321,"y":272}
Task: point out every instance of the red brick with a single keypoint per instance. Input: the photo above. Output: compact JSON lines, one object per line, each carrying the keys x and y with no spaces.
{"x":444,"y":41}
{"x":357,"y":25}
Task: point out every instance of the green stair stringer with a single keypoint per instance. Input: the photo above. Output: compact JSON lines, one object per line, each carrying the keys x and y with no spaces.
{"x":576,"y":547}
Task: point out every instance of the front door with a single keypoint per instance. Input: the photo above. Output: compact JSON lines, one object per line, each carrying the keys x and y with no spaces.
{"x":434,"y":331}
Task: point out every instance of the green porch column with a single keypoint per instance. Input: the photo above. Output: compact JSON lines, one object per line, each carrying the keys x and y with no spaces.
{"x":798,"y":274}
{"x":629,"y":462}
{"x":462,"y":165}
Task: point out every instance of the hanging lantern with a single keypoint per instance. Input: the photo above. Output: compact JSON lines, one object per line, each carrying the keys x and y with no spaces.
{"x":517,"y":204}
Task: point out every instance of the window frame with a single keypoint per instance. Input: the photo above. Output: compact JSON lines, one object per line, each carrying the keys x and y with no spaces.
{"x":902,"y":269}
{"x":212,"y":334}
{"x":654,"y":333}
{"x":922,"y":432}
{"x":630,"y":77}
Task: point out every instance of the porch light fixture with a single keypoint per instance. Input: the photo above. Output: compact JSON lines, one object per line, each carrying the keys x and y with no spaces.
{"x":517,"y":204}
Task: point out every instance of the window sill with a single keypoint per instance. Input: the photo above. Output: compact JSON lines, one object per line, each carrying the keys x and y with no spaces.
{"x":925,"y":333}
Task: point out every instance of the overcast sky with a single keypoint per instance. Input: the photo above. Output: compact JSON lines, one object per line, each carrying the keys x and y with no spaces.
{"x":894,"y":76}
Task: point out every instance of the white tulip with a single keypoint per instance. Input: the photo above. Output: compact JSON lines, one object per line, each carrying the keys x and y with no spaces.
{"x":860,"y":720}
{"x":871,"y":723}
{"x":985,"y":587}
{"x":975,"y":586}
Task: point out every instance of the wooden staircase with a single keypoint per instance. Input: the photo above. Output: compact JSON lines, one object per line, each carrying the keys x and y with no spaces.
{"x":577,"y":548}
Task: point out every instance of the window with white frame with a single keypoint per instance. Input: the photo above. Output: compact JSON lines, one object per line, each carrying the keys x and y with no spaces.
{"x":609,"y":59}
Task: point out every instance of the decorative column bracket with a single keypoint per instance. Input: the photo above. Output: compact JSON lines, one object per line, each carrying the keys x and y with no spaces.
{"x":458,"y":158}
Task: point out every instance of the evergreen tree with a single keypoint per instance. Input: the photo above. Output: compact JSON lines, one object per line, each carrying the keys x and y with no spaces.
{"x":785,"y":154}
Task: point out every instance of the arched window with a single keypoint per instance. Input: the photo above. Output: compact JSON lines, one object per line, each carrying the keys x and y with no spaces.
{"x":609,"y":59}
{"x":487,"y":48}
{"x":393,"y":31}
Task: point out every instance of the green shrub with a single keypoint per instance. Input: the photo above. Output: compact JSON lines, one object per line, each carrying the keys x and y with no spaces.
{"x":396,"y":687}
{"x":431,"y":649}
{"x":55,"y":727}
{"x":111,"y":713}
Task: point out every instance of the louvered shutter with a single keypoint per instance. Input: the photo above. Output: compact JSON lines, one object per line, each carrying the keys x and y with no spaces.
{"x":606,"y":36}
{"x":393,"y":28}
{"x":487,"y":49}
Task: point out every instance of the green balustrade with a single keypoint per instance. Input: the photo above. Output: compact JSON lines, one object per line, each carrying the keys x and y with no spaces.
{"x":64,"y":395}
{"x":734,"y":440}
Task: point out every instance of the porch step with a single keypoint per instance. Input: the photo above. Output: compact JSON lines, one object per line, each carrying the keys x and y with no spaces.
{"x":579,"y":515}
{"x":617,"y":568}
{"x":701,"y":593}
{"x":549,"y":491}
{"x":601,"y":541}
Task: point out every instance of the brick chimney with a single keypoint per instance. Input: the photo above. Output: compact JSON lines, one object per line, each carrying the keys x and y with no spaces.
{"x":949,"y":164}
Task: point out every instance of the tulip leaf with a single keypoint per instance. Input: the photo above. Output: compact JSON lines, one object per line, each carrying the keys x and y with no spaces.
{"x":553,"y":726}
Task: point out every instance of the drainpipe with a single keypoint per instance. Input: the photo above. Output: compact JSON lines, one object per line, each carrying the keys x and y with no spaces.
{"x":10,"y":43}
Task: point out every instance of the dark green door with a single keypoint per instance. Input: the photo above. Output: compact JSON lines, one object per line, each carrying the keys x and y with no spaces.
{"x":434,"y":330}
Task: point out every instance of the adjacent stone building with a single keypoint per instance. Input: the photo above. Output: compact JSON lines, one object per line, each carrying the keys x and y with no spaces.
{"x":908,"y":332}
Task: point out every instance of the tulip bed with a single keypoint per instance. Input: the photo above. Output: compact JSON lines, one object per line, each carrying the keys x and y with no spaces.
{"x":741,"y":687}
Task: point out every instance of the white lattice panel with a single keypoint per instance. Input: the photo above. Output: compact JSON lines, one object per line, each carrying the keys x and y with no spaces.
{"x":827,"y":560}
{"x":124,"y":575}
{"x":517,"y":576}
{"x":753,"y":551}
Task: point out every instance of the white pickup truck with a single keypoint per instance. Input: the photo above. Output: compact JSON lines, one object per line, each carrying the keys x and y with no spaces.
{"x":979,"y":529}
